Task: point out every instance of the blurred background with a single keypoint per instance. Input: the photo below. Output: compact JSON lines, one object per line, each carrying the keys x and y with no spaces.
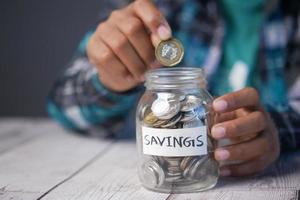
{"x":37,"y":39}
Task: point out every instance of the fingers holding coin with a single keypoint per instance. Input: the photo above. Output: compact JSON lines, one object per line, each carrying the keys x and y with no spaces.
{"x":121,"y":47}
{"x":169,"y":52}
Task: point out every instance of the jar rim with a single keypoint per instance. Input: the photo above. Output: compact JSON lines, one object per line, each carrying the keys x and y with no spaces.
{"x":175,"y":77}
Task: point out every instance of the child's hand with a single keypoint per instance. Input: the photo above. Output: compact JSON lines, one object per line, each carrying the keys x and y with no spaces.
{"x":122,"y":48}
{"x":253,"y":137}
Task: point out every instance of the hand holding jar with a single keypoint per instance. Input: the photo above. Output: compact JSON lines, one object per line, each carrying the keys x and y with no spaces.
{"x":249,"y":131}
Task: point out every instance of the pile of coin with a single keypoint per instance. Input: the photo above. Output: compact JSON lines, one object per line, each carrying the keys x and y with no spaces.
{"x":175,"y":111}
{"x":171,"y":110}
{"x":164,"y":171}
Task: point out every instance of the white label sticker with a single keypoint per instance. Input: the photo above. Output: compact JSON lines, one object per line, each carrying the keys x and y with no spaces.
{"x":175,"y":142}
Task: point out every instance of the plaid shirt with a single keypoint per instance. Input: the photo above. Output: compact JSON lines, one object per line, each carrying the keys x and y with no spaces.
{"x":270,"y":63}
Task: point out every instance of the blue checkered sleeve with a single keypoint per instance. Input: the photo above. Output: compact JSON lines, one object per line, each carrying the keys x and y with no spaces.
{"x":79,"y":101}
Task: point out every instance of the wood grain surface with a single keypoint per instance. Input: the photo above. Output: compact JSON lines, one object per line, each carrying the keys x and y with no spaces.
{"x":41,"y":160}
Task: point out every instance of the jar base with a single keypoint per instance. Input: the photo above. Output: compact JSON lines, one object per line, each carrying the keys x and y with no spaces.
{"x":176,"y":188}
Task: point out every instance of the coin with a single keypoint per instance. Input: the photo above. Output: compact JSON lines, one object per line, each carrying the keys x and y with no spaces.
{"x":173,"y":111}
{"x":153,"y":173}
{"x":205,"y":171}
{"x":144,"y":111}
{"x":173,"y":161}
{"x":188,"y":116}
{"x":165,"y":95}
{"x":194,"y":167}
{"x":188,"y":166}
{"x":160,"y":107}
{"x":169,"y":52}
{"x":191,"y":102}
{"x":181,"y":97}
{"x":174,"y":170}
{"x":172,"y":121}
{"x":165,"y":109}
{"x":150,"y":119}
{"x":173,"y":178}
{"x":185,"y":162}
{"x":151,"y":176}
{"x":160,"y":160}
{"x":160,"y":123}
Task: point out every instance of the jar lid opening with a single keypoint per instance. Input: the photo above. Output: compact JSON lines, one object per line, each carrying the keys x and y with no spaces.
{"x":177,"y":77}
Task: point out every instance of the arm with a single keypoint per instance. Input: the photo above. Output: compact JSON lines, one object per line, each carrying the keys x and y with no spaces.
{"x":288,"y":125}
{"x":79,"y":101}
{"x":100,"y":84}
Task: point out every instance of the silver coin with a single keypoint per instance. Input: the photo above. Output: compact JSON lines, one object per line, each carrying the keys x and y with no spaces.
{"x":185,"y":161}
{"x":180,"y":97}
{"x":151,"y":176}
{"x":144,"y":112}
{"x":160,"y":107}
{"x":173,"y":178}
{"x":207,"y":168}
{"x":172,"y":122}
{"x":153,"y":173}
{"x":174,"y":109}
{"x":188,"y":116}
{"x":165,"y":109}
{"x":165,"y":95}
{"x":189,"y":165}
{"x":190,"y":103}
{"x":197,"y":167}
{"x":173,"y":161}
{"x":174,"y":169}
{"x":160,"y":160}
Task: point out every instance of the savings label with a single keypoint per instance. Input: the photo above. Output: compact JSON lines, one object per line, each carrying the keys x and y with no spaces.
{"x":175,"y":142}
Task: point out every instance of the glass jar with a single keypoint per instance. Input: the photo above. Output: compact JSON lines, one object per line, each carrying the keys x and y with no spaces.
{"x":173,"y":122}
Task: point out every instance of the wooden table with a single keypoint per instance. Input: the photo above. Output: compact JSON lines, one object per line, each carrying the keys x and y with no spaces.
{"x":40,"y":160}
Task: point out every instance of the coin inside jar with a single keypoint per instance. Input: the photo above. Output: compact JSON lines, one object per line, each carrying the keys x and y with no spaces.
{"x":150,"y":119}
{"x":153,"y":173}
{"x":169,"y":52}
{"x":191,"y":102}
{"x":173,"y":122}
{"x":160,"y":107}
{"x":165,"y":109}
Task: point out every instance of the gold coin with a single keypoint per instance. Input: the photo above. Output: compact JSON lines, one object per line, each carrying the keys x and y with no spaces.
{"x":150,"y":119}
{"x":159,"y":123}
{"x":169,"y":52}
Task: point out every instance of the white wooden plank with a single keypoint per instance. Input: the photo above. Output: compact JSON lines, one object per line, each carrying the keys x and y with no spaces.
{"x":54,"y":157}
{"x":285,"y":174}
{"x":15,"y":132}
{"x":37,"y":166}
{"x":238,"y":195}
{"x":18,"y":195}
{"x":113,"y":176}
